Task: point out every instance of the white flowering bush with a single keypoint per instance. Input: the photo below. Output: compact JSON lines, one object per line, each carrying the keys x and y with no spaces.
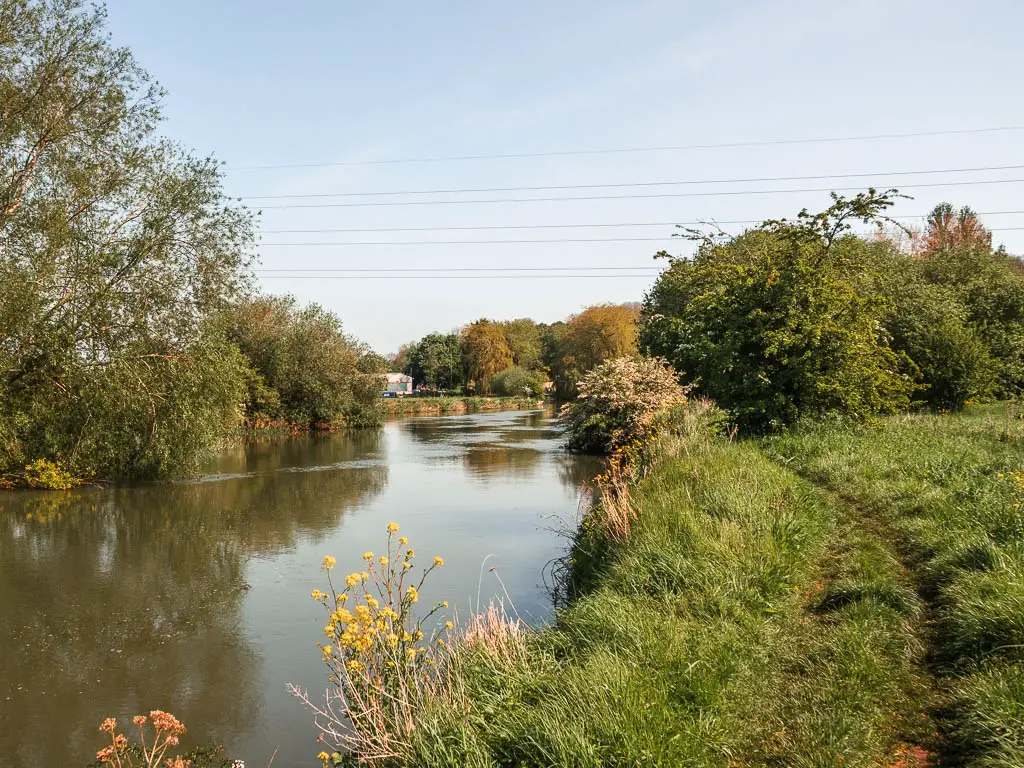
{"x":621,"y":402}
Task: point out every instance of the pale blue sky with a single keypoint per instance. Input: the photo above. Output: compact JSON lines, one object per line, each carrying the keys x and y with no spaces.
{"x":263,"y":83}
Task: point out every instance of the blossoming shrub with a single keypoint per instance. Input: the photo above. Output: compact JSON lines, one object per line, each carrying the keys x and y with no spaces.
{"x":621,"y":401}
{"x":379,"y":656}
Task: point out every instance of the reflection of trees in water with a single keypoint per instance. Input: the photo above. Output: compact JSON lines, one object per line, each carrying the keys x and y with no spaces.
{"x":576,"y":471}
{"x":269,"y":454}
{"x":131,"y":598}
{"x":493,"y":459}
{"x":469,"y":430}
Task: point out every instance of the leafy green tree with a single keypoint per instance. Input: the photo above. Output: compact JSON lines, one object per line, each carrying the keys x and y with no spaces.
{"x":318,"y":374}
{"x":115,"y":247}
{"x":485,"y":350}
{"x":524,"y":341}
{"x":436,"y":361}
{"x":988,"y":283}
{"x":518,"y":382}
{"x":785,"y":320}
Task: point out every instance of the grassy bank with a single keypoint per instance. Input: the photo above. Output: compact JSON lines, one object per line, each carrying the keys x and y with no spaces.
{"x":948,"y":491}
{"x":398,"y":406}
{"x":745,"y":620}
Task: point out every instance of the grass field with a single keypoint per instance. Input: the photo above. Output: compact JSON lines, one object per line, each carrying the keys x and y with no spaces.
{"x":947,"y":491}
{"x":746,"y":620}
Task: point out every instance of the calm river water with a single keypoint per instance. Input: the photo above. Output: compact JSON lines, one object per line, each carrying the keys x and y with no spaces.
{"x":194,"y":597}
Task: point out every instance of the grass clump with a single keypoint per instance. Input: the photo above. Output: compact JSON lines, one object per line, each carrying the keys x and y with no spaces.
{"x":948,"y":490}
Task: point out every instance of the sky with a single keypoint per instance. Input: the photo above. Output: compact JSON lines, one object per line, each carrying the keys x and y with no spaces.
{"x":347,"y":94}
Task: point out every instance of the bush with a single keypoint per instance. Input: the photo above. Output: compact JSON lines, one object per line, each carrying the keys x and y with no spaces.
{"x":931,"y":327}
{"x":518,"y":382}
{"x":621,"y":401}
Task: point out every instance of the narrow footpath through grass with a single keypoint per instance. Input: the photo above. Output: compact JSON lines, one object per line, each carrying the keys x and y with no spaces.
{"x":948,"y":493}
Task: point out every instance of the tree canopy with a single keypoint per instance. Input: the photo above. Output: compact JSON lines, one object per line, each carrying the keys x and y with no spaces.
{"x":115,"y":247}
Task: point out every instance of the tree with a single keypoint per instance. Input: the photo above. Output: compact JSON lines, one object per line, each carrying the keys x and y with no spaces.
{"x":990,"y":286}
{"x":306,"y":370}
{"x":785,"y":320}
{"x":115,"y":248}
{"x":436,"y":361}
{"x":524,"y":342}
{"x":485,"y":350}
{"x":596,"y":334}
{"x":949,"y":228}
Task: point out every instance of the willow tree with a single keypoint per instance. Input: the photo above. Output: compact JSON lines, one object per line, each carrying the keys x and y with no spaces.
{"x":598,"y":333}
{"x":485,"y":350}
{"x":115,"y":247}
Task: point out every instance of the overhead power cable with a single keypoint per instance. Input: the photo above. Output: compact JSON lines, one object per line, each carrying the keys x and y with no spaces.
{"x":472,"y":269}
{"x":666,"y":238}
{"x":715,"y":193}
{"x":626,"y":150}
{"x":620,"y":185}
{"x":562,"y":226}
{"x":645,"y":275}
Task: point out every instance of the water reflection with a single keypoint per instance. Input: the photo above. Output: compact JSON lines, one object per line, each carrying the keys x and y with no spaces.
{"x":191,"y":596}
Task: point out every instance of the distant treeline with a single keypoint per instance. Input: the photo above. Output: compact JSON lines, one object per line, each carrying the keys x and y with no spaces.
{"x":130,"y":334}
{"x":517,"y":357}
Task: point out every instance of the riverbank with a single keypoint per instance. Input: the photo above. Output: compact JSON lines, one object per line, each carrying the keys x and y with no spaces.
{"x":836,"y":594}
{"x":400,"y":406}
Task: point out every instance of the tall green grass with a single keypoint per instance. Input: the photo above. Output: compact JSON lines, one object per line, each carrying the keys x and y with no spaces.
{"x":934,"y":482}
{"x":743,"y":621}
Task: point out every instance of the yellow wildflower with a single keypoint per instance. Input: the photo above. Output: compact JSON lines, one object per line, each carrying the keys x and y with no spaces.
{"x":444,"y":603}
{"x":402,"y":541}
{"x":448,"y":625}
{"x":372,"y":602}
{"x":392,"y":527}
{"x":328,"y":562}
{"x":407,"y":565}
{"x":367,"y":556}
{"x":412,"y":594}
{"x":352,"y":579}
{"x":323,"y":756}
{"x":438,"y":561}
{"x":316,"y":594}
{"x":382,"y":560}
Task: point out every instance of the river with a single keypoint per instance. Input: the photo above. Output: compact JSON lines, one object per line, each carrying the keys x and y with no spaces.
{"x":194,"y":597}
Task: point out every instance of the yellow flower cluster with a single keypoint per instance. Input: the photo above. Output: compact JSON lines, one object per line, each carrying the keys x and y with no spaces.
{"x":1016,"y":482}
{"x":373,"y":634}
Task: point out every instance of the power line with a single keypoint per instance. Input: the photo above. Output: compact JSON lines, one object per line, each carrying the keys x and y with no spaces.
{"x":519,"y":241}
{"x":645,"y":275}
{"x":625,"y":150}
{"x":717,"y":193}
{"x":472,"y":269}
{"x":620,"y":185}
{"x":561,"y":226}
